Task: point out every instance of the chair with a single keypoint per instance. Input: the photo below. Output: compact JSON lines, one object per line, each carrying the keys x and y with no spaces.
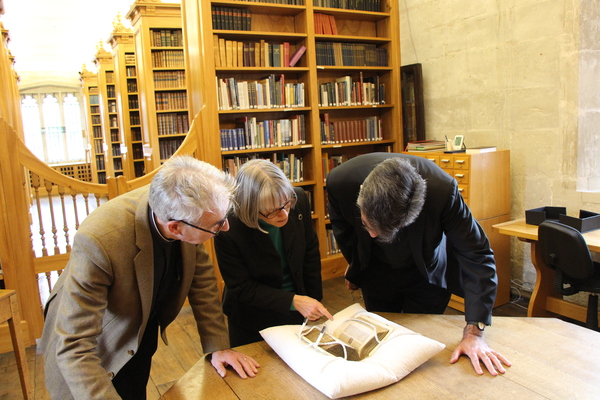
{"x":564,"y":249}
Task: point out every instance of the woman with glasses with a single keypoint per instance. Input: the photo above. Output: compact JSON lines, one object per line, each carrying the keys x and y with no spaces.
{"x":269,"y":258}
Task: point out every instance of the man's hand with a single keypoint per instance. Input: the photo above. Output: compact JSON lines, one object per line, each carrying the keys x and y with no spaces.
{"x":474,"y":346}
{"x":245,"y":366}
{"x":310,"y":308}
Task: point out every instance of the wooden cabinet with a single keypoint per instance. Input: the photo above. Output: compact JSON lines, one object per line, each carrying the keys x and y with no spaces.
{"x":109,"y":113}
{"x":128,"y":101}
{"x":161,"y":73}
{"x":96,"y":150}
{"x":484,"y":182}
{"x":340,"y":99}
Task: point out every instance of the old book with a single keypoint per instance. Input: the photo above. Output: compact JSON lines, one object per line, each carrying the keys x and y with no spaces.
{"x":296,"y":56}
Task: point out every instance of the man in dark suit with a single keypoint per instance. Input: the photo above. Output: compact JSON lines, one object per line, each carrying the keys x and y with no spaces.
{"x":410,"y":241}
{"x":134,"y":261}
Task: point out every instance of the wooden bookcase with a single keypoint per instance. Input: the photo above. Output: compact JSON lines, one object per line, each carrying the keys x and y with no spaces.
{"x":91,"y":96}
{"x":109,"y":112}
{"x":161,"y":73}
{"x":128,"y":101}
{"x":371,"y":32}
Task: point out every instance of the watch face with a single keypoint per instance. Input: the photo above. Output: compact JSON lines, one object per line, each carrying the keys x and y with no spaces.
{"x":481,"y":326}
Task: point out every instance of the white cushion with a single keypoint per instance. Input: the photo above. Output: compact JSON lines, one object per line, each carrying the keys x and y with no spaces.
{"x":402,"y":352}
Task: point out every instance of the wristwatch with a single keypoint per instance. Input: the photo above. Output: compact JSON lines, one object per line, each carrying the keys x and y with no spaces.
{"x":479,"y":325}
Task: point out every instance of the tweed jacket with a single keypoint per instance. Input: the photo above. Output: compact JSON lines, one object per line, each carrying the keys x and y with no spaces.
{"x":448,"y":246}
{"x":251,"y":268}
{"x":99,"y":307}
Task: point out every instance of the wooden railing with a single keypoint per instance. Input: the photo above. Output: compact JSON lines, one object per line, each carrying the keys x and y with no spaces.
{"x":40,"y":212}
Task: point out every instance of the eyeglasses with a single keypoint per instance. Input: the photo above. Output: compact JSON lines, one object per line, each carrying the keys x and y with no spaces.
{"x":286,"y":206}
{"x":219,"y":224}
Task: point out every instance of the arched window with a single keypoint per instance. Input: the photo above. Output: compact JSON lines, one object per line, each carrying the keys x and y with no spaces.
{"x":53,"y":131}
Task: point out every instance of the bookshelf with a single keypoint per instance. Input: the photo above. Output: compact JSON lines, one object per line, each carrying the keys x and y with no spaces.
{"x":109,"y":112}
{"x":364,"y":116}
{"x":128,"y":100}
{"x":161,"y":77}
{"x":96,"y":150}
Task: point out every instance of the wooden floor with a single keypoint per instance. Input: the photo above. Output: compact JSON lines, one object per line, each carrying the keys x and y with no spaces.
{"x":171,"y":362}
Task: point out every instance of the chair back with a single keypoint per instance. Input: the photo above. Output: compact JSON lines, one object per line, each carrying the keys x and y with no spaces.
{"x":564,"y":248}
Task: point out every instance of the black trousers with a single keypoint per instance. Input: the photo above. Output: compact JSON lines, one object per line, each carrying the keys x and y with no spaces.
{"x":402,"y":291}
{"x":131,"y":381}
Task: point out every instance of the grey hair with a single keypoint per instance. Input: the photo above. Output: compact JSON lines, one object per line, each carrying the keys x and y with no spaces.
{"x":392,"y":197}
{"x":261,"y":184}
{"x":184,"y":188}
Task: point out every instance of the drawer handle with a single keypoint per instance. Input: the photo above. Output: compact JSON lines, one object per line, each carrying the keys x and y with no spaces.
{"x":460,"y":161}
{"x":459,"y":175}
{"x":460,"y":190}
{"x":431,"y":159}
{"x":445,"y":160}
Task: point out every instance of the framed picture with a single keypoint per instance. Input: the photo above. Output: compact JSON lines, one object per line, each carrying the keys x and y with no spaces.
{"x":413,"y":110}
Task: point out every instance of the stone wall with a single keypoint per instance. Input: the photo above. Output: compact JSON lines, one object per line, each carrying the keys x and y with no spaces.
{"x":506,"y":73}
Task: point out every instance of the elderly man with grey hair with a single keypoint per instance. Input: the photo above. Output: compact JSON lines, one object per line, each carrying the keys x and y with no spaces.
{"x":134,"y":261}
{"x":411,"y":241}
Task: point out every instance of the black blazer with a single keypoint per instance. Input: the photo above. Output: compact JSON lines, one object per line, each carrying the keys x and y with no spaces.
{"x":251,"y":268}
{"x":449,"y":247}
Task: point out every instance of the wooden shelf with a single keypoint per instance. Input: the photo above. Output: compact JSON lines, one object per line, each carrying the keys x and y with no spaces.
{"x":278,"y":23}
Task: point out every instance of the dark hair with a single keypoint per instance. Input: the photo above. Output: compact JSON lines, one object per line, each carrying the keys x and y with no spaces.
{"x":392,"y":197}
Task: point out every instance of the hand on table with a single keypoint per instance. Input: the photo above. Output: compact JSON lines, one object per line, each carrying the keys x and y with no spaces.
{"x":310,"y":308}
{"x":245,"y":366}
{"x":474,"y":346}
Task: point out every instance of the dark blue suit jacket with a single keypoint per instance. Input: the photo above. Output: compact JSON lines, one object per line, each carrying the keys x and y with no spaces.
{"x":449,"y":247}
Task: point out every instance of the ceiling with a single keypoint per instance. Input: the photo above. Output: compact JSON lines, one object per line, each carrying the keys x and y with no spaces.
{"x":55,"y":38}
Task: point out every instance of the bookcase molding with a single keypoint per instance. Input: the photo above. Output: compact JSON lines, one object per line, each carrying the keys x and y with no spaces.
{"x":294,"y":24}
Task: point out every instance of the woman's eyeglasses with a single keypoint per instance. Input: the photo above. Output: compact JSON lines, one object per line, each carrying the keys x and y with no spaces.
{"x":286,"y":206}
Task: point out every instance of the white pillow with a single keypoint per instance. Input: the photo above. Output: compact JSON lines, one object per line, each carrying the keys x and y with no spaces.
{"x":400,"y":353}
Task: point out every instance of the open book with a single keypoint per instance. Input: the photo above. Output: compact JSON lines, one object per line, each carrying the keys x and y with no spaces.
{"x":354,"y":339}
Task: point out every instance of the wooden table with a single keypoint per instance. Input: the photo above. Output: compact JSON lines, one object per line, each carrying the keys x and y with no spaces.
{"x":544,"y":298}
{"x":9,"y":312}
{"x":552,"y":359}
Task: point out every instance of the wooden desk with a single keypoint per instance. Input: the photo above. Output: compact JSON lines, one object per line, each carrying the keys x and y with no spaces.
{"x":552,"y":359}
{"x":9,"y":312}
{"x":544,"y":297}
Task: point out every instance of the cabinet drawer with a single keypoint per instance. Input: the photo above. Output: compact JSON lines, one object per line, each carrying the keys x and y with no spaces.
{"x":461,"y":176}
{"x":464,"y":191}
{"x":446,"y":162}
{"x":433,"y":158}
{"x":461,"y":162}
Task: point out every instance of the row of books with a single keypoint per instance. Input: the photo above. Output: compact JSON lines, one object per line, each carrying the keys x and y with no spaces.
{"x":171,"y":100}
{"x":231,"y":19}
{"x":133,"y":103}
{"x":172,"y":124}
{"x":116,"y":150}
{"x":169,"y":79}
{"x":137,"y":151}
{"x":325,"y":24}
{"x":253,"y":134}
{"x":166,"y":148}
{"x":94,"y":109}
{"x":97,"y":132}
{"x":114,"y":137}
{"x":100,"y":166}
{"x":288,"y":2}
{"x":134,"y":118}
{"x":232,"y":53}
{"x":351,"y":131}
{"x":168,"y":59}
{"x":329,"y":162}
{"x":269,"y":92}
{"x":96,"y":119}
{"x":136,"y":134}
{"x":98,"y":147}
{"x":291,"y":165}
{"x":332,"y":246}
{"x":166,"y":38}
{"x":94,"y":97}
{"x":111,"y":92}
{"x":351,"y":54}
{"x":363,"y":5}
{"x":345,"y":91}
{"x":130,"y":71}
{"x":132,"y":87}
